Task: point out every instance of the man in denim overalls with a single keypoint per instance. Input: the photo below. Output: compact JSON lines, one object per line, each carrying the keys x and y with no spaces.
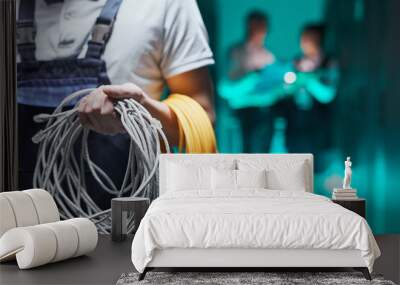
{"x":124,"y":48}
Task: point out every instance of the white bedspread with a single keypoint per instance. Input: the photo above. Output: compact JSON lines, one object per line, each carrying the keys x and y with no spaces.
{"x":250,"y":219}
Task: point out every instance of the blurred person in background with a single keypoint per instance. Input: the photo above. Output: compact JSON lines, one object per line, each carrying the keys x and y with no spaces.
{"x":252,"y":54}
{"x":307,"y":108}
{"x":244,"y":58}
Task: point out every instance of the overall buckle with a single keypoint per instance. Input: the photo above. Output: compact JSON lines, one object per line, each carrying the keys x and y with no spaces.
{"x":101,"y":32}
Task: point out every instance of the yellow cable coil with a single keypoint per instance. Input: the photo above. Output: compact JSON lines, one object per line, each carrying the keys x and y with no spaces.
{"x":196,"y":133}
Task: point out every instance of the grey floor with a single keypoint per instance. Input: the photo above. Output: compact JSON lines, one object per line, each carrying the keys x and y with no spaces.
{"x":110,"y":260}
{"x":389,"y":262}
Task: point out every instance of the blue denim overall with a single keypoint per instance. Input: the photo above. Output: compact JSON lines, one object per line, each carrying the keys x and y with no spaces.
{"x":42,"y":85}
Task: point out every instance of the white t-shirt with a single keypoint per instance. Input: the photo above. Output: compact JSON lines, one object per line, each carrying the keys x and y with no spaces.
{"x":152,"y":39}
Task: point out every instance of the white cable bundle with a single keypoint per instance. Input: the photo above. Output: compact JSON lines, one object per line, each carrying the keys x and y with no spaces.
{"x":60,"y":172}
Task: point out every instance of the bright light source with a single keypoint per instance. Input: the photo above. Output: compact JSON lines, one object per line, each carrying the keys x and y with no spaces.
{"x":289,"y":77}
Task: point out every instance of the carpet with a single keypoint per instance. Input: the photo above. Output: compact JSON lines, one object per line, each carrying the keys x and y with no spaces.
{"x":243,"y":278}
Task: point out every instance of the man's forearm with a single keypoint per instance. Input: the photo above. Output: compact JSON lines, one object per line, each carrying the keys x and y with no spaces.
{"x":166,"y":116}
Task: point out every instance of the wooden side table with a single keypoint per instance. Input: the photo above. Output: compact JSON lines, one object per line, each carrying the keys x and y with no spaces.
{"x":356,"y":205}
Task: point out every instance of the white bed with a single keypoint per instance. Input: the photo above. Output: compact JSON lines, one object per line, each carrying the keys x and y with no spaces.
{"x":249,"y":227}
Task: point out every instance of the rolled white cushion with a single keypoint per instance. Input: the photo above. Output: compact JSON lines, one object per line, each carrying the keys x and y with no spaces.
{"x":87,"y":235}
{"x":26,"y":208}
{"x":66,"y":238}
{"x":46,"y":208}
{"x":33,"y":246}
{"x":23,"y":208}
{"x":7,"y":218}
{"x":40,"y":244}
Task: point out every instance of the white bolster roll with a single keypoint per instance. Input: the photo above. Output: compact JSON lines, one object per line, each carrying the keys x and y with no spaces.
{"x":7,"y":218}
{"x":26,"y":208}
{"x":23,"y":208}
{"x":33,"y":246}
{"x":87,"y":234}
{"x":46,"y":208}
{"x":41,"y":244}
{"x":66,"y":238}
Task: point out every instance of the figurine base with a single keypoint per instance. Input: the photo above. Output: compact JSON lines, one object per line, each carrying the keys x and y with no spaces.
{"x":344,"y":194}
{"x":344,"y":190}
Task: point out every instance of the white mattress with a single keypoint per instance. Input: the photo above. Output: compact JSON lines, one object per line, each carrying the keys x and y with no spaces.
{"x":252,"y":219}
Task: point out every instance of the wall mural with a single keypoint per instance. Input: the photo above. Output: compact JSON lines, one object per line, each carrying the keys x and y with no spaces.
{"x":275,"y":98}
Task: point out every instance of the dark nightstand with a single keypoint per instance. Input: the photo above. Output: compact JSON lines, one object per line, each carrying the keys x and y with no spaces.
{"x":356,"y":205}
{"x":120,"y":207}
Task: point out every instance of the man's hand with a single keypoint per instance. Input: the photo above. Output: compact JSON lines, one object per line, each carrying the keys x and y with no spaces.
{"x":96,"y":111}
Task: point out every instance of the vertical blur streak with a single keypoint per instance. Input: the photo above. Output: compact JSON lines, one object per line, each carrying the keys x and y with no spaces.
{"x":8,"y":107}
{"x":368,"y":119}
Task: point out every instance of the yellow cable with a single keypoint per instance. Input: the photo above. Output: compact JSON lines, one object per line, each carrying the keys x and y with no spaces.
{"x":205,"y":129}
{"x":188,"y":125}
{"x":196,"y":133}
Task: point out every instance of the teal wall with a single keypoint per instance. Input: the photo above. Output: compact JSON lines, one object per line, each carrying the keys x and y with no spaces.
{"x":363,"y":34}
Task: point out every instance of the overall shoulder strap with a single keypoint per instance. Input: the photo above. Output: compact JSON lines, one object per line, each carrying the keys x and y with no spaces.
{"x":26,"y":30}
{"x":102,"y":29}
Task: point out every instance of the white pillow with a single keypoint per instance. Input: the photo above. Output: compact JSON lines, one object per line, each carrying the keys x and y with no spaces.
{"x":188,"y":177}
{"x":223,"y":179}
{"x":281,"y":175}
{"x":251,"y":179}
{"x":290,"y":179}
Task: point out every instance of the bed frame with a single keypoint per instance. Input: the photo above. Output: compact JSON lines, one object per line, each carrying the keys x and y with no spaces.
{"x":242,"y":259}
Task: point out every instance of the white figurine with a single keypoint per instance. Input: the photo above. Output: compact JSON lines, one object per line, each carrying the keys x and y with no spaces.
{"x":347,"y":174}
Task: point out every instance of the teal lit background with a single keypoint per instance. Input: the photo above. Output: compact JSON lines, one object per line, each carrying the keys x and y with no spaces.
{"x":287,"y":17}
{"x":364,"y":35}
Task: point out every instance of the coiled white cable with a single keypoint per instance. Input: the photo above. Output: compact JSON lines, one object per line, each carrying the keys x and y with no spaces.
{"x":61,"y":173}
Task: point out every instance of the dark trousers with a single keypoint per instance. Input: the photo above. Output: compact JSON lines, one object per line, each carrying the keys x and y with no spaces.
{"x":256,"y":127}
